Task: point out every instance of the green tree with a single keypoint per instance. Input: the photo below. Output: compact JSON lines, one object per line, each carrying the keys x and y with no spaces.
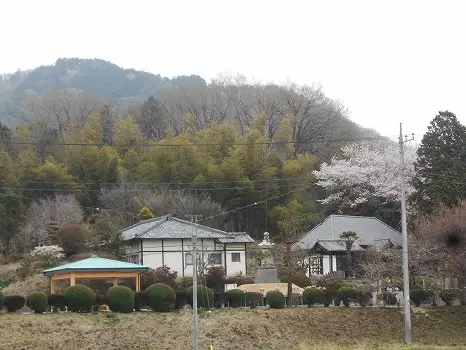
{"x":127,"y":133}
{"x":107,"y":121}
{"x":11,"y":213}
{"x":145,"y":214}
{"x":441,"y":165}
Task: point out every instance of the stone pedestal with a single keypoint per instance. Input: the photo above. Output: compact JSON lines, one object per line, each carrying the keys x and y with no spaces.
{"x":267,"y":273}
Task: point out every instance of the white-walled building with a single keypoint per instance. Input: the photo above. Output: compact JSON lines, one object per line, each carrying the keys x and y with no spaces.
{"x":168,"y":241}
{"x":326,"y":249}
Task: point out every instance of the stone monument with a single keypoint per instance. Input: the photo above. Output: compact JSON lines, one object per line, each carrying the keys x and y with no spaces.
{"x":267,"y":272}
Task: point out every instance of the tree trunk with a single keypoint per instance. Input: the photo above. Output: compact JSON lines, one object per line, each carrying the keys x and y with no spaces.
{"x":289,"y":270}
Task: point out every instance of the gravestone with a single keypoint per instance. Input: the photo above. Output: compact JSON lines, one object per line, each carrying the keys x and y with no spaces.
{"x":267,"y":273}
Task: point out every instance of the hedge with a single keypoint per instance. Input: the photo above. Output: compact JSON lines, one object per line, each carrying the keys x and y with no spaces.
{"x":450,"y":295}
{"x":418,"y":296}
{"x":313,"y":296}
{"x":80,"y":298}
{"x":140,"y":299}
{"x":161,"y":297}
{"x":347,"y":295}
{"x":221,"y":299}
{"x":237,"y":297}
{"x":255,"y":299}
{"x":37,"y":301}
{"x":120,"y":299}
{"x":57,"y":301}
{"x":275,"y":299}
{"x":14,"y":302}
{"x":362,"y":297}
{"x":205,"y":296}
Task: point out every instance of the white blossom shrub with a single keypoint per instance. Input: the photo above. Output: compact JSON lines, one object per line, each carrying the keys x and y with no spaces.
{"x":48,"y":254}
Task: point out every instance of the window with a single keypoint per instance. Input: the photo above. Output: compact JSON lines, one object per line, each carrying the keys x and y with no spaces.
{"x":235,"y":257}
{"x":188,"y":258}
{"x":215,"y":258}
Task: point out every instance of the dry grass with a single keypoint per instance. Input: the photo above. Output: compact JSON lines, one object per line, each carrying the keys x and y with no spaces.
{"x":300,"y":329}
{"x":35,"y":283}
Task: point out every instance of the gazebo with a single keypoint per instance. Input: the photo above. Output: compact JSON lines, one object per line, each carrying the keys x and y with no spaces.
{"x":95,"y":268}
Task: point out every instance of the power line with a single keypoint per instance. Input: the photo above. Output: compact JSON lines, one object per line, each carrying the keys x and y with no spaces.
{"x":161,"y":144}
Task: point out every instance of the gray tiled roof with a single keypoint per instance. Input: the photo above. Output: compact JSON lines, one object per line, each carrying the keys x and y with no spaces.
{"x":169,"y":227}
{"x":369,"y":229}
{"x":237,"y":237}
{"x":337,"y":245}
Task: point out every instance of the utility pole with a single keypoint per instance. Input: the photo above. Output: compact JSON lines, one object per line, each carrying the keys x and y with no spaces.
{"x":404,"y":233}
{"x":194,"y":219}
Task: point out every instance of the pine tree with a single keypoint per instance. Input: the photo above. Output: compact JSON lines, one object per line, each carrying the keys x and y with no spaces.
{"x":441,"y":165}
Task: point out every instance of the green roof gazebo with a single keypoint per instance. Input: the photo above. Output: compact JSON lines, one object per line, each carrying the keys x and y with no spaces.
{"x":95,"y":268}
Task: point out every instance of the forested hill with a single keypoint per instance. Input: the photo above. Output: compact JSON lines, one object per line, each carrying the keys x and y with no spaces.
{"x":101,"y":78}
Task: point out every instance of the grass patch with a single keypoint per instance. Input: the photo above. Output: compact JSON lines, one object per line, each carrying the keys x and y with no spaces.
{"x":295,"y":329}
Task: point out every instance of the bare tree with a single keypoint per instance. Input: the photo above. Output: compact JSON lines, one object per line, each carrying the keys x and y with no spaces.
{"x":61,"y":210}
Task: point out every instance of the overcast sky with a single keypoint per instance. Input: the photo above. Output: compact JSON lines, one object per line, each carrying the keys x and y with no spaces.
{"x":388,"y":61}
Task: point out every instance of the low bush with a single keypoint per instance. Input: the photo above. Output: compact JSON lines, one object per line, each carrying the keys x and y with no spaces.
{"x":363,"y":297}
{"x":80,"y":298}
{"x":313,"y":296}
{"x":237,"y":297}
{"x":450,"y":295}
{"x":254,"y":299}
{"x":388,"y":298}
{"x":2,"y":299}
{"x":14,"y":302}
{"x":205,"y":296}
{"x":161,"y":297}
{"x":38,"y":302}
{"x":57,"y":301}
{"x":120,"y":299}
{"x":140,"y":299}
{"x":181,"y":300}
{"x":418,"y":296}
{"x":347,"y":295}
{"x":221,"y":299}
{"x":275,"y":299}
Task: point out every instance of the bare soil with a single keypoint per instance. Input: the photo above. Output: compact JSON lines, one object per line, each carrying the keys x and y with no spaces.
{"x":300,"y":329}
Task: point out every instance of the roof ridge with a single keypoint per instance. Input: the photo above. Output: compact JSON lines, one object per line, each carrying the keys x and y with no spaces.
{"x":158,"y":222}
{"x":144,"y":222}
{"x":227,"y":234}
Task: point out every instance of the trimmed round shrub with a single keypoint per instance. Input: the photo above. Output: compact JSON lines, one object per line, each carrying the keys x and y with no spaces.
{"x":221,"y":299}
{"x":2,"y":298}
{"x":418,"y":296}
{"x":237,"y":297}
{"x":205,"y":297}
{"x":38,"y":302}
{"x":140,"y":299}
{"x":275,"y":299}
{"x":347,"y":295}
{"x":57,"y":301}
{"x":80,"y":298}
{"x":313,"y":296}
{"x":447,"y":295}
{"x":14,"y":302}
{"x":161,"y":297}
{"x":254,"y":299}
{"x":120,"y":299}
{"x":363,"y":297}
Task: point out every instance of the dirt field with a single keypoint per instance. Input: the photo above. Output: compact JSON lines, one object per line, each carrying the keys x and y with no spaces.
{"x":301,"y":329}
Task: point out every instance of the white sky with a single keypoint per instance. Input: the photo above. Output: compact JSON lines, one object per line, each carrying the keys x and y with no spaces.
{"x":388,"y":61}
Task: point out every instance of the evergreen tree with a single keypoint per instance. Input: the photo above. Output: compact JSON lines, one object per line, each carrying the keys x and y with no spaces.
{"x":441,"y":166}
{"x":107,"y":122}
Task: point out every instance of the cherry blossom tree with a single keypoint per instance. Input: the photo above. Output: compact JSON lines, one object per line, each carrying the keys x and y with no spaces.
{"x":365,"y":175}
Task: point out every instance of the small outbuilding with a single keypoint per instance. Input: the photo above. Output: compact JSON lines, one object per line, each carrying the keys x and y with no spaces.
{"x":95,"y":268}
